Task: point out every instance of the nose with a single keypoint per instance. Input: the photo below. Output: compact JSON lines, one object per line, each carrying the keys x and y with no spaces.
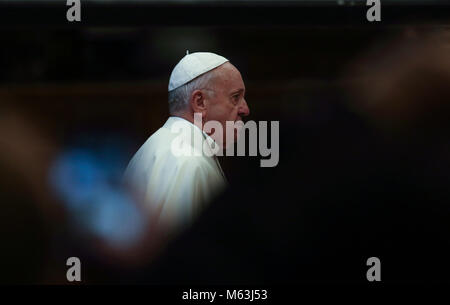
{"x":243,"y":109}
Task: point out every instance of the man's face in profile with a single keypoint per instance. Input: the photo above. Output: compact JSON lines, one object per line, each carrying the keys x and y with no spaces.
{"x":227,"y":103}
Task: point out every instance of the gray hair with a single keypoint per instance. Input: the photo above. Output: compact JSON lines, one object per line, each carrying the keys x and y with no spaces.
{"x":179,"y":97}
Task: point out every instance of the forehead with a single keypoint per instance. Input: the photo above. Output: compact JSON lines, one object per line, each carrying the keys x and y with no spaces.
{"x":228,"y":77}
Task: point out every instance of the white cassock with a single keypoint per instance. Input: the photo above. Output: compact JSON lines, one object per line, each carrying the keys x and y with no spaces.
{"x":176,"y":188}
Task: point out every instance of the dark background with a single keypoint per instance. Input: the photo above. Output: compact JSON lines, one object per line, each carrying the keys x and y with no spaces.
{"x":352,"y":182}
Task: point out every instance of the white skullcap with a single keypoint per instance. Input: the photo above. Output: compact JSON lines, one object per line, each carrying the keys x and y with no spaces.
{"x":193,"y":65}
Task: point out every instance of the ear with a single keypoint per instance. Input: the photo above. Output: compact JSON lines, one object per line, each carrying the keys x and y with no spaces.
{"x":198,"y":101}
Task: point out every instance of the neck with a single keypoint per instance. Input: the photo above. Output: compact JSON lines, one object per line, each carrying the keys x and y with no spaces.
{"x":197,"y":119}
{"x":187,"y":116}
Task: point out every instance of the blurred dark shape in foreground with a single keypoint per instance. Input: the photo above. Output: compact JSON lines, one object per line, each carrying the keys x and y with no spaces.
{"x":105,"y":219}
{"x":344,"y":190}
{"x":64,"y":201}
{"x":403,"y":86}
{"x":87,"y":180}
{"x":27,"y":209}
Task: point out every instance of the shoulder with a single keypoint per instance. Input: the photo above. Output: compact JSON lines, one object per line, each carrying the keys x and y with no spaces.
{"x":189,"y":164}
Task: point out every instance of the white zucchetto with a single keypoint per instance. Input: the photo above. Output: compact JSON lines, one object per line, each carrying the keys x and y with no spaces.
{"x":193,"y":65}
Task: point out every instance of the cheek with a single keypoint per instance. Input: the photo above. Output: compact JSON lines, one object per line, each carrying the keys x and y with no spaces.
{"x":223,"y":111}
{"x":227,"y":113}
{"x":233,"y":113}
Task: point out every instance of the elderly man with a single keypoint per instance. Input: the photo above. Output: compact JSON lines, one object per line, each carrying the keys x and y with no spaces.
{"x":176,"y":187}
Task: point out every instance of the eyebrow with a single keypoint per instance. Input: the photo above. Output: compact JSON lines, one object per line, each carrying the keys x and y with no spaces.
{"x":241,"y":90}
